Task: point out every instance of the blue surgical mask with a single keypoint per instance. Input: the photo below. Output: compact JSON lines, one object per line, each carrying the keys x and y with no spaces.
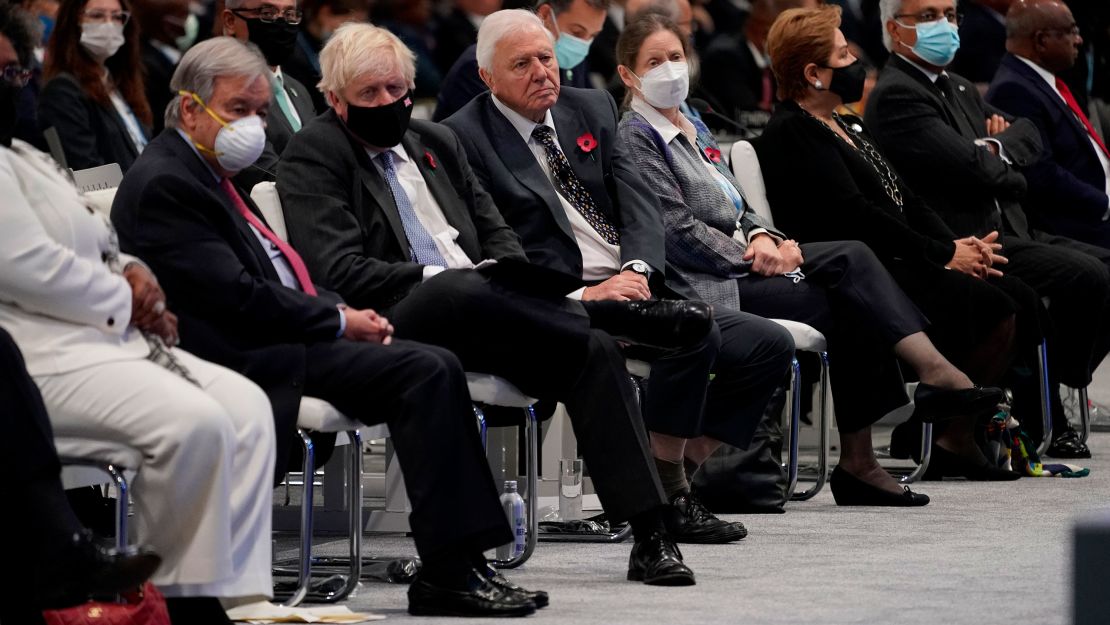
{"x":47,"y":27}
{"x":569,"y":50}
{"x":937,"y":42}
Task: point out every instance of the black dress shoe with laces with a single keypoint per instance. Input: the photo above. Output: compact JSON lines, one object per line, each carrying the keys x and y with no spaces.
{"x":538,"y":597}
{"x":849,"y":490}
{"x":663,"y":324}
{"x":692,"y":522}
{"x":944,"y":463}
{"x":480,"y":598}
{"x":658,"y":562}
{"x":1066,"y":444}
{"x":85,"y":569}
{"x":933,"y":403}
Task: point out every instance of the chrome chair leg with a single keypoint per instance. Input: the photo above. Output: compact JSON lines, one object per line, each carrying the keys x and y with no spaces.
{"x":354,"y":507}
{"x":1046,"y":393}
{"x":531,"y":464}
{"x":926,"y":455}
{"x":791,"y":465}
{"x":823,"y":442}
{"x":304,"y":575}
{"x":1084,"y":415}
{"x":482,"y":427}
{"x":121,"y":505}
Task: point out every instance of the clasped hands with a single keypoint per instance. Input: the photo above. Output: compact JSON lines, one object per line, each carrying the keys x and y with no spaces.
{"x":148,"y":304}
{"x":773,"y":259}
{"x":977,"y":257}
{"x":367,"y":326}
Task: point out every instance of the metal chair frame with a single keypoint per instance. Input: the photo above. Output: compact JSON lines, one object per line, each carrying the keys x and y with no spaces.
{"x":531,"y":462}
{"x":116,"y":473}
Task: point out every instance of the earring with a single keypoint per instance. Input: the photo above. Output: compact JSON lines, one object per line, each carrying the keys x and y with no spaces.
{"x":817,"y":85}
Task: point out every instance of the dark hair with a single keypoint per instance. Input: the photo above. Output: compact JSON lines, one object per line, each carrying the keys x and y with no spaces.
{"x":559,"y":6}
{"x":65,"y":54}
{"x":17,"y":27}
{"x":645,"y":24}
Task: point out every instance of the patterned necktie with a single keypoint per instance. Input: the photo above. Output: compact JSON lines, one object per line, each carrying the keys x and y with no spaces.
{"x":294,"y":259}
{"x":284,"y":104}
{"x":422,"y":247}
{"x":571,"y":187}
{"x":1062,"y":87}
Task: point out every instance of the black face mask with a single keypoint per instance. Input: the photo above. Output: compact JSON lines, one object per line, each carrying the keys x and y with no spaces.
{"x":275,"y":39}
{"x":847,"y":82}
{"x":381,"y":126}
{"x":9,"y":111}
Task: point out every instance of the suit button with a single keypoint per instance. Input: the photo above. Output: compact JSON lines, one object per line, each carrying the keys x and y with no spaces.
{"x":111,"y":321}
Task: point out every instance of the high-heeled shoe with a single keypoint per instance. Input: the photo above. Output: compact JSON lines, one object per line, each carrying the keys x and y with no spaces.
{"x":849,"y":490}
{"x":933,"y":403}
{"x":943,"y":463}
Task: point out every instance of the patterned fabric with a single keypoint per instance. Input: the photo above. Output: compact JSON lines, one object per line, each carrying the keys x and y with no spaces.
{"x":290,"y":254}
{"x":1009,"y":447}
{"x":422,"y":247}
{"x":571,"y":187}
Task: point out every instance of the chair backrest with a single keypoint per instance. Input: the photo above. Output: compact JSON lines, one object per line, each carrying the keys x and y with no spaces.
{"x":265,"y":196}
{"x":745,"y":167}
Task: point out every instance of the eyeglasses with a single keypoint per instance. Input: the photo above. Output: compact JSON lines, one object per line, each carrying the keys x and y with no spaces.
{"x":119,"y":17}
{"x":17,"y":75}
{"x":931,"y":16}
{"x":1064,"y":31}
{"x":270,"y":14}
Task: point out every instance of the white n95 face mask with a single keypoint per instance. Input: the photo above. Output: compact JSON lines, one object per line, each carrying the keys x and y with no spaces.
{"x":239,"y":143}
{"x":666,"y":86}
{"x":102,"y":39}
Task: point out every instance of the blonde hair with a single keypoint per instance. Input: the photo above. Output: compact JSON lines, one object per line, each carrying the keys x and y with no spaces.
{"x":359,"y":48}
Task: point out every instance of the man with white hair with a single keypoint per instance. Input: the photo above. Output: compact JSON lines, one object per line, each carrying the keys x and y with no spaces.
{"x":246,"y":300}
{"x":965,"y":158}
{"x":389,"y":213}
{"x":551,"y":159}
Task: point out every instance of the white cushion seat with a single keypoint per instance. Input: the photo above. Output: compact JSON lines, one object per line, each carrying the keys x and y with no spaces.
{"x":806,"y":338}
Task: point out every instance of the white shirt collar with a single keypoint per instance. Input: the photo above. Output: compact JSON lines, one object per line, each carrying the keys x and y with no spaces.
{"x":759,"y":55}
{"x":398,"y":150}
{"x":616,"y":13}
{"x":930,"y":74}
{"x":522,"y":124}
{"x":168,"y":51}
{"x":658,"y":121}
{"x":1048,"y":76}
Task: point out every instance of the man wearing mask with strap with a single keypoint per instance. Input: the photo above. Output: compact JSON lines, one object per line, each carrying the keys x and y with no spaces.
{"x":573,"y":23}
{"x":272,"y":25}
{"x":247,"y":300}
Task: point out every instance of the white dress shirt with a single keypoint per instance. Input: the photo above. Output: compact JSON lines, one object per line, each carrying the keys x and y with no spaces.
{"x":427,"y":209}
{"x":600,"y":259}
{"x":1050,"y":78}
{"x":127,"y":116}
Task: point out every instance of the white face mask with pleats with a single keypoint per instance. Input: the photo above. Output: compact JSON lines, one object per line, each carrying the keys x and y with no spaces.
{"x":667,"y":85}
{"x":102,"y":39}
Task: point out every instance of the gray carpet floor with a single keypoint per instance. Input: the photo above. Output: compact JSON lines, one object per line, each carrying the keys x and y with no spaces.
{"x":979,"y":553}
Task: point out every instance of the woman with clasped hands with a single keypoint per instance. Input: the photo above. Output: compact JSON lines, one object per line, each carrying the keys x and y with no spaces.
{"x":734,"y":259}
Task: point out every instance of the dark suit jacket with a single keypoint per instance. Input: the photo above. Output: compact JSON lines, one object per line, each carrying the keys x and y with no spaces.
{"x":982,"y":43}
{"x":304,"y":66}
{"x":157,"y":72}
{"x":454,"y":33}
{"x":279,"y":130}
{"x":932,"y":147}
{"x":91,"y":134}
{"x":339,"y":210}
{"x":526,"y":197}
{"x":1067,"y":186}
{"x":731,"y":76}
{"x":462,"y":83}
{"x":232,"y":308}
{"x":603,"y":51}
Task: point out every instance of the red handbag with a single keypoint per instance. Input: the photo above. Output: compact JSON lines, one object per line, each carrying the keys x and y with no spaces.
{"x":144,"y":606}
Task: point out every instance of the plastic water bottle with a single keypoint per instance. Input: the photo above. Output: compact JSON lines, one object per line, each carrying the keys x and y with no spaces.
{"x":513,"y":505}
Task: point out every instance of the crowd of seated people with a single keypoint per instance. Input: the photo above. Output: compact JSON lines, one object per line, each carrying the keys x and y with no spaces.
{"x":941,"y":233}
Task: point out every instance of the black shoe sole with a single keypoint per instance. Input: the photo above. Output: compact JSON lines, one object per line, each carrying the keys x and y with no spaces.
{"x":437,"y":611}
{"x":671,"y":579}
{"x":714,"y":538}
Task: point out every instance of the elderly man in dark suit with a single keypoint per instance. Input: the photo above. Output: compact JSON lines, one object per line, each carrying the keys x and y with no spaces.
{"x":551,"y":159}
{"x":246,"y":300}
{"x":963,"y":157}
{"x":1068,"y":185}
{"x":389,"y":213}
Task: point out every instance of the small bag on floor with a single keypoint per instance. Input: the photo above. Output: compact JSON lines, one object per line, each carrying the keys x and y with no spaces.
{"x":144,"y":606}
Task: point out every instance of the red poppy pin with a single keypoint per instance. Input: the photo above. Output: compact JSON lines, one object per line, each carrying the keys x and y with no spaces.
{"x":713,"y":154}
{"x":429,"y":159}
{"x":587,"y":143}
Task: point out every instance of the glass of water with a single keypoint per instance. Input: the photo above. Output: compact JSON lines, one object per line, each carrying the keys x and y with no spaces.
{"x":570,"y":489}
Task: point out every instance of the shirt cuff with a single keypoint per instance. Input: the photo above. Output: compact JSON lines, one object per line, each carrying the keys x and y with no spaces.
{"x":755,"y":231}
{"x":432,"y":270}
{"x":625,"y":266}
{"x":576,"y":294}
{"x":342,"y":321}
{"x":998,"y":144}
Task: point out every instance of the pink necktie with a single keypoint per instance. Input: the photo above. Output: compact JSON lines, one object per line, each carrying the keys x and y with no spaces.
{"x":1074,"y":106}
{"x":290,"y":254}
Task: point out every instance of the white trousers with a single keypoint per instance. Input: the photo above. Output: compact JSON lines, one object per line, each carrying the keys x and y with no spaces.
{"x":203,"y":496}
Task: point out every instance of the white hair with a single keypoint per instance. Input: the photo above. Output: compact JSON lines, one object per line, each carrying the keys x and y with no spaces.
{"x":218,"y":57}
{"x":358,"y":48}
{"x":887,"y":10}
{"x":498,"y":25}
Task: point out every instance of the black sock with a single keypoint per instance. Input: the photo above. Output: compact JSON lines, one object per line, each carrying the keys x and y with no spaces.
{"x":196,"y":610}
{"x":691,"y":469}
{"x":447,"y":569}
{"x":479,"y":563}
{"x":672,"y":476}
{"x":647,"y":523}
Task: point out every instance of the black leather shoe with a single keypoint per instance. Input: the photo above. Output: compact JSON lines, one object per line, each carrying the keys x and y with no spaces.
{"x":664,"y":324}
{"x":481,"y":598}
{"x":86,"y":569}
{"x":1067,"y":445}
{"x":538,"y":597}
{"x":849,"y":490}
{"x":658,"y":562}
{"x":932,"y":403}
{"x":943,"y":463}
{"x":692,"y":522}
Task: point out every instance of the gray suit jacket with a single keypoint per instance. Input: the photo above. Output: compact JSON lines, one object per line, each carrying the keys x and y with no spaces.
{"x":932,"y":145}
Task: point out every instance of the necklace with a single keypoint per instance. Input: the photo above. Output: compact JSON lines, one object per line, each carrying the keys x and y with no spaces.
{"x":868,"y":152}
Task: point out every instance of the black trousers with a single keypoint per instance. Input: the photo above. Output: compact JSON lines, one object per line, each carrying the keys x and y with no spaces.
{"x":545,"y":347}
{"x":848,"y":296}
{"x":1075,"y":277}
{"x":420,"y":392}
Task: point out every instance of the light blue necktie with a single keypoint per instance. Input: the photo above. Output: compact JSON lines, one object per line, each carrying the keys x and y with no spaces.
{"x":422,"y":246}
